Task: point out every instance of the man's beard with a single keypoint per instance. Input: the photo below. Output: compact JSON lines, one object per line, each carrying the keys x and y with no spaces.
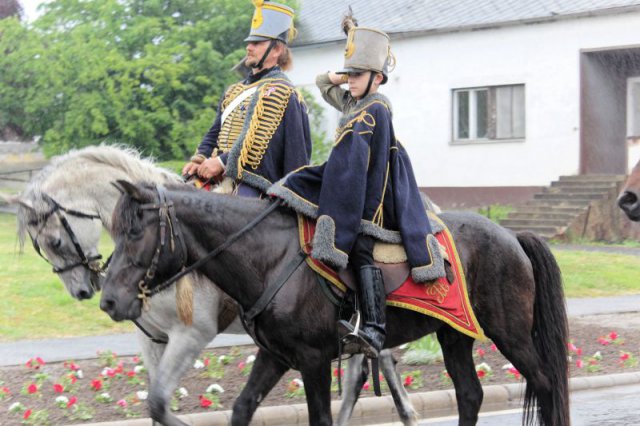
{"x":251,"y":62}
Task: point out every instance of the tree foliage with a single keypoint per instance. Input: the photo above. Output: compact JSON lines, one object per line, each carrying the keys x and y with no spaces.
{"x":10,"y":8}
{"x":147,"y":73}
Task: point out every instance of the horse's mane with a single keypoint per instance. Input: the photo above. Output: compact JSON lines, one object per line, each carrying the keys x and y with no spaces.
{"x":76,"y":162}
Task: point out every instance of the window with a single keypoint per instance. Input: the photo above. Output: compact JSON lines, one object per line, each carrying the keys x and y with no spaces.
{"x":633,"y":107}
{"x":489,"y":113}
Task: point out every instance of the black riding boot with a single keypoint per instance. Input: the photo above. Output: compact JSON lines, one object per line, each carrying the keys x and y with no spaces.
{"x":370,"y":337}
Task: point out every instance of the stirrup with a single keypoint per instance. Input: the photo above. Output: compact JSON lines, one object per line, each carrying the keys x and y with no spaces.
{"x":352,"y":341}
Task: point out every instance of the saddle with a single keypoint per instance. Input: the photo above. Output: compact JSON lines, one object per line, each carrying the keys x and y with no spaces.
{"x":445,"y":299}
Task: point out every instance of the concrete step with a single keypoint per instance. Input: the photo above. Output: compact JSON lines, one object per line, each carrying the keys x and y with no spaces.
{"x":533,"y":222}
{"x":582,"y":184}
{"x":541,"y":206}
{"x":569,"y":196}
{"x":562,"y":203}
{"x":542,"y":230}
{"x":593,"y":178}
{"x":584,"y":189}
{"x":546,"y":214}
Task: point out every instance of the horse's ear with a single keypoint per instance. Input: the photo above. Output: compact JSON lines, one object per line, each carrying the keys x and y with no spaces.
{"x":15,"y":199}
{"x":127,"y":187}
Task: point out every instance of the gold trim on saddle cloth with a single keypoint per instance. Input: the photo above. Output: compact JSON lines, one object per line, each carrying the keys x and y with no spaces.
{"x":465,"y":323}
{"x":273,"y":98}
{"x":456,"y":263}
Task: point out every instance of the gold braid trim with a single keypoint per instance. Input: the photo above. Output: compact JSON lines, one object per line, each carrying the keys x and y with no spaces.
{"x":273,"y":99}
{"x":363,"y":117}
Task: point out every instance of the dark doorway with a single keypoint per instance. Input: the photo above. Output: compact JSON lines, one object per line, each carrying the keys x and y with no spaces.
{"x":603,"y":108}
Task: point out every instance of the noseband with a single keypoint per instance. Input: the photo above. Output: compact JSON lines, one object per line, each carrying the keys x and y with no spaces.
{"x":168,"y":218}
{"x":58,"y":210}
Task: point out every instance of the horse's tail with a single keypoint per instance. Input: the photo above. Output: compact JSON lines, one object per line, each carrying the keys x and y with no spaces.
{"x":550,"y":331}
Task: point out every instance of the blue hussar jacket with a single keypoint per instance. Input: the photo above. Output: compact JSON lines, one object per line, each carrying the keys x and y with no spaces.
{"x":366,"y":186}
{"x":265,"y":136}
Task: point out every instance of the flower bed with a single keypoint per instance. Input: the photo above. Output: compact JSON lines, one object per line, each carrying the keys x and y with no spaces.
{"x":112,"y":388}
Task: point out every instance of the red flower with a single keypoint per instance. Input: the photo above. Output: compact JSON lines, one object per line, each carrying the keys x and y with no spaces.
{"x":205,"y":402}
{"x":72,"y":401}
{"x":494,"y":348}
{"x":579,"y":363}
{"x":579,"y":351}
{"x":136,"y":360}
{"x":96,"y":384}
{"x":613,"y":335}
{"x":72,"y":378}
{"x":624,"y":356}
{"x":335,"y":372}
{"x":71,"y":366}
{"x":481,"y":373}
{"x":408,"y":381}
{"x":207,"y":361}
{"x":33,"y":388}
{"x":571,"y":347}
{"x":27,"y":414}
{"x":603,"y":341}
{"x":241,"y":365}
{"x":119,"y":369}
{"x":480,"y":352}
{"x":58,"y":388}
{"x":514,"y":371}
{"x":131,"y":374}
{"x":365,"y":386}
{"x":5,"y":390}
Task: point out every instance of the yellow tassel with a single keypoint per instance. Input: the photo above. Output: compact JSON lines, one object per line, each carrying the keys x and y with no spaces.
{"x":184,"y":300}
{"x":257,"y":16}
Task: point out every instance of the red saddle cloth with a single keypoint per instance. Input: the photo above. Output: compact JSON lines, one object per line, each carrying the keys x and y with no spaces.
{"x":448,"y":302}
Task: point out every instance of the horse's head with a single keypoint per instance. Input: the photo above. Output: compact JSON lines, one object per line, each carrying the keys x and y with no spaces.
{"x":148,"y":249}
{"x":629,"y":199}
{"x":67,"y":238}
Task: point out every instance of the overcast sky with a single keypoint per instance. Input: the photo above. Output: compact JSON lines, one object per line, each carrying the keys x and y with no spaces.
{"x":30,"y":7}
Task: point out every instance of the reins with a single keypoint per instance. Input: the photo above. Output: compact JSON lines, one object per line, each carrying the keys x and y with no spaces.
{"x":167,"y":206}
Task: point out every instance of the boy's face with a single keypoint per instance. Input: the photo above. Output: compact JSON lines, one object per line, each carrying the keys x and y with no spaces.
{"x":358,"y":82}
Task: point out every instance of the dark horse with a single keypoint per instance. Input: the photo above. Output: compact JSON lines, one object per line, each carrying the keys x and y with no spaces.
{"x":629,"y":199}
{"x":514,"y":285}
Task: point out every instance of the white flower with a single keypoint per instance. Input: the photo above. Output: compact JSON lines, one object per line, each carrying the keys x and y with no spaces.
{"x":222,"y":359}
{"x":105,"y":395}
{"x":507,"y":366}
{"x":107,"y":371}
{"x":142,"y":395}
{"x":139,"y":369}
{"x":62,"y":400}
{"x":483,"y":366}
{"x":182,"y":393}
{"x":15,"y":407}
{"x":215,"y":388}
{"x":79,"y":374}
{"x":198,"y":364}
{"x":598,"y":356}
{"x":298,"y":382}
{"x":250,"y":359}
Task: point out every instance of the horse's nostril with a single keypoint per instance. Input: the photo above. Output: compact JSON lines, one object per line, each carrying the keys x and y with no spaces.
{"x":627,"y":200}
{"x":107,"y":305}
{"x":83,"y":294}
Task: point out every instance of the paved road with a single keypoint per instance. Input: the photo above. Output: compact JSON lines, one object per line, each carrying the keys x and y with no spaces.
{"x":615,"y":406}
{"x":16,"y":353}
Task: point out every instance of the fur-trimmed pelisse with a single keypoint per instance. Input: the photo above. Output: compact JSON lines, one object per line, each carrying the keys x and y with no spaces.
{"x":323,"y":244}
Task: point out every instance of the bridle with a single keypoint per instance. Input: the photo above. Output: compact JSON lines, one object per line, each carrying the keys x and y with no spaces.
{"x":167,"y":218}
{"x":89,"y":262}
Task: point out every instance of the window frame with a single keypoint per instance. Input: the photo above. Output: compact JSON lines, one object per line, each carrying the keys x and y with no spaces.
{"x":491,"y":115}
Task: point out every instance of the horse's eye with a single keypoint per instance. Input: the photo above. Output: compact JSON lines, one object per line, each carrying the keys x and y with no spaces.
{"x":135,"y":232}
{"x":56,"y":243}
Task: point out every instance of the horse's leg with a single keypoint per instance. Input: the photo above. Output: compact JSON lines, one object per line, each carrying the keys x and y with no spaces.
{"x":458,"y":358}
{"x":185,"y":344}
{"x":151,"y":355}
{"x":357,"y":372}
{"x":316,"y":376}
{"x":407,"y":413}
{"x":265,"y":373}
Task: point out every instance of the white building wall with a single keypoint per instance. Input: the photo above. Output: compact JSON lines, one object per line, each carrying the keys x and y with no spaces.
{"x":544,"y":57}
